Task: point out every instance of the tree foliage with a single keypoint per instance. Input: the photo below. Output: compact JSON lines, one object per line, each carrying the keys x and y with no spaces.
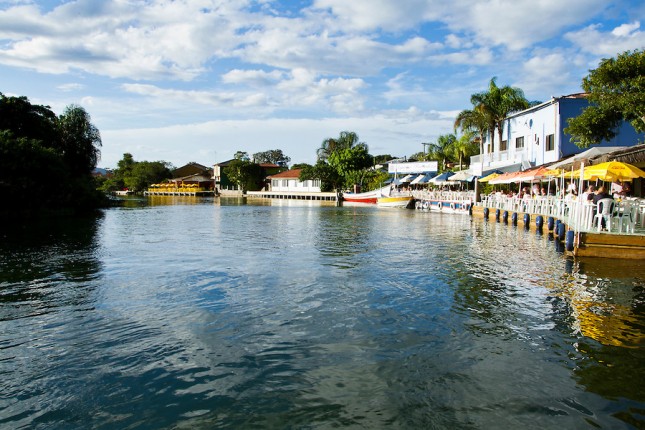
{"x":247,"y":175}
{"x":273,"y":156}
{"x":345,"y":140}
{"x":616,"y":92}
{"x":496,"y":103}
{"x":137,"y":176}
{"x":79,"y":140}
{"x":442,"y":150}
{"x":330,"y":179}
{"x":49,"y":158}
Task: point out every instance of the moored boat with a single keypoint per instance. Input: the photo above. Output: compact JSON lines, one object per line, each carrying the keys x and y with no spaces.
{"x":394,"y":201}
{"x":366,"y":197}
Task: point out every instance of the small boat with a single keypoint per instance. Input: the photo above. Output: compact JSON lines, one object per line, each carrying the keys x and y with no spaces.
{"x":394,"y":201}
{"x":366,"y":197}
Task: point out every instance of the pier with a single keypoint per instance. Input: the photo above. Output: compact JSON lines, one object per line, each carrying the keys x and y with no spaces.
{"x":293,"y":195}
{"x":575,"y":224}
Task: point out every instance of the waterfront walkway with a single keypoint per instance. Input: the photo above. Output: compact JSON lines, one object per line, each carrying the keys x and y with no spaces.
{"x":624,"y":236}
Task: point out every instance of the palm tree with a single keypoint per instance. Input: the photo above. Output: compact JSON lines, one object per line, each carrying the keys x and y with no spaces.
{"x":465,"y":146}
{"x":497,"y":103}
{"x":474,"y":120}
{"x":346,"y":140}
{"x":442,"y":149}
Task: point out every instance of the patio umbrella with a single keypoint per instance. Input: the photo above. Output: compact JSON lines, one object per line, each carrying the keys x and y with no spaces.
{"x":612,"y":171}
{"x":489,"y":177}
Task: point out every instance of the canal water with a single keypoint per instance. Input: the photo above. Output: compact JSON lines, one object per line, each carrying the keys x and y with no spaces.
{"x":183,"y":313}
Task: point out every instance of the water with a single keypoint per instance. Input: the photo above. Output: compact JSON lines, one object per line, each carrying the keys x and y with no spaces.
{"x":301,"y":315}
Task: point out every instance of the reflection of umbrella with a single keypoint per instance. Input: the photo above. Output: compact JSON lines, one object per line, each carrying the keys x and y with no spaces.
{"x":611,"y":171}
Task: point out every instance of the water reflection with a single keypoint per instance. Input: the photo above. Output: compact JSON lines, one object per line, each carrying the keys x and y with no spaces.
{"x":289,"y":314}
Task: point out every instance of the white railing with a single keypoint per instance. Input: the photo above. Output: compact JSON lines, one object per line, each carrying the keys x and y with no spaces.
{"x":577,"y":214}
{"x":454,"y":196}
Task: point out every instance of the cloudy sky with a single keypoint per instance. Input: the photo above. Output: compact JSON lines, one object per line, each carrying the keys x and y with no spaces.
{"x":198,"y":80}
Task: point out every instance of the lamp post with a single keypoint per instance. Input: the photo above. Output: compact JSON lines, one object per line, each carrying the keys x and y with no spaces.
{"x":424,"y":147}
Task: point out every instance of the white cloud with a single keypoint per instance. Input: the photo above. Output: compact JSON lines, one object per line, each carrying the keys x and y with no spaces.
{"x":399,"y":132}
{"x":519,"y":24}
{"x":389,"y":15}
{"x":258,"y":78}
{"x":547,"y":73}
{"x":72,"y":86}
{"x":610,"y":43}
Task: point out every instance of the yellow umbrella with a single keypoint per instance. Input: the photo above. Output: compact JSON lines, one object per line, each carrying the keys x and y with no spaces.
{"x":489,"y":177}
{"x":612,"y":171}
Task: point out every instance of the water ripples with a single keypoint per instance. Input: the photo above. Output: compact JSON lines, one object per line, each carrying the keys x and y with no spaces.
{"x":258,"y":316}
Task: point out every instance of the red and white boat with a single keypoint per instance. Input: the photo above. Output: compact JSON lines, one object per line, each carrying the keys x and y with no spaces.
{"x":367,"y":197}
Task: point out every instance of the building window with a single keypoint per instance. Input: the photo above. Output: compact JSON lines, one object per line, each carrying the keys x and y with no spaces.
{"x":550,"y":142}
{"x":519,"y":142}
{"x":504,"y":145}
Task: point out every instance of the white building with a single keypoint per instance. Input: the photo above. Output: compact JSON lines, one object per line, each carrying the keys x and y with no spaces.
{"x":536,"y":136}
{"x":288,"y":181}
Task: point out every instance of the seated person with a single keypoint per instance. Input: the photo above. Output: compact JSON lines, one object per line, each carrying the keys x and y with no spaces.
{"x":588,"y":194}
{"x":600,"y":194}
{"x":626,"y":191}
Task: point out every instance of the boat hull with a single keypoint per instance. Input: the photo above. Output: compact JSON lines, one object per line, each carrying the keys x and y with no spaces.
{"x":394,"y":202}
{"x":370,"y":197}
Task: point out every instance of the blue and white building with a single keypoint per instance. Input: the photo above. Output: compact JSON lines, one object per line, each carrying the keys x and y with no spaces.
{"x":535,"y":136}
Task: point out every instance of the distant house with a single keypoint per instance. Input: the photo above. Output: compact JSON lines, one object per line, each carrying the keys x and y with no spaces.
{"x":288,"y":181}
{"x":191,"y":168}
{"x":193,"y":173}
{"x":536,"y":136}
{"x":224,"y":184}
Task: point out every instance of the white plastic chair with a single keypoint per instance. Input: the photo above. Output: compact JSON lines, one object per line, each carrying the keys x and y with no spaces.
{"x":627,"y":215}
{"x":605,"y":211}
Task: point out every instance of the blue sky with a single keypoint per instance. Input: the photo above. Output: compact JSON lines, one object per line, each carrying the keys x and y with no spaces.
{"x":198,"y":80}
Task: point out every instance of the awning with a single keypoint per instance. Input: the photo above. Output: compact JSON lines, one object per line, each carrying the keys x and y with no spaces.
{"x":489,"y":177}
{"x":441,"y":179}
{"x":406,"y":178}
{"x":421,"y":179}
{"x":596,"y":151}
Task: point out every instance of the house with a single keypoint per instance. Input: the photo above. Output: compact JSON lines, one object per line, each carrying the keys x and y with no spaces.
{"x":536,"y":136}
{"x":288,"y":181}
{"x":194,"y":174}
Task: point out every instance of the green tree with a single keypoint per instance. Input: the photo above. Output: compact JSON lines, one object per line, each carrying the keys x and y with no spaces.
{"x":442,"y":150}
{"x":475,"y":120}
{"x":60,"y":153}
{"x":145,"y":173}
{"x":248,"y":176}
{"x":463,"y":147}
{"x":497,"y":103}
{"x":383,"y":158}
{"x":274,"y":156}
{"x":24,"y":119}
{"x":300,"y":166}
{"x":616,"y":93}
{"x":79,"y":140}
{"x":330,"y":179}
{"x":241,"y":155}
{"x":346,"y":139}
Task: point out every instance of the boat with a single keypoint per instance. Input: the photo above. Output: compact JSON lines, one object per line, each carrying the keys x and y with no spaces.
{"x":394,"y":201}
{"x":370,"y":197}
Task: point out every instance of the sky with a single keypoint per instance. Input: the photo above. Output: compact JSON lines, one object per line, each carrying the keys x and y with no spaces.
{"x":198,"y":80}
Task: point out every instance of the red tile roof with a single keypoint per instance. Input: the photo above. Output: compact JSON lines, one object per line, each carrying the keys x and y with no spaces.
{"x":287,"y":174}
